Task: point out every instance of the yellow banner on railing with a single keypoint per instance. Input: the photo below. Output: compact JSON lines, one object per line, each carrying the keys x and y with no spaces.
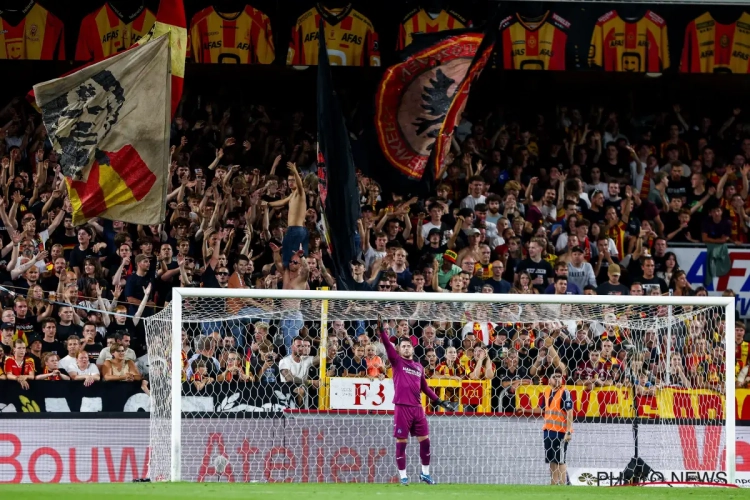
{"x":471,"y":395}
{"x":743,"y":404}
{"x":611,"y":401}
{"x":600,"y":402}
{"x":476,"y":396}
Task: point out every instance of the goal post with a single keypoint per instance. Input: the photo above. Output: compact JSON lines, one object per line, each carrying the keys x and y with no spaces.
{"x":176,"y":387}
{"x":628,"y":320}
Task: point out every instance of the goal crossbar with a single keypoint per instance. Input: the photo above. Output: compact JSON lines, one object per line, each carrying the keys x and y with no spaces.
{"x":515,"y":298}
{"x":179,"y":294}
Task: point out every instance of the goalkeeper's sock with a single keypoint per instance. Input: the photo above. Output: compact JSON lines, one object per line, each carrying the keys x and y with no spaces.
{"x":402,"y":473}
{"x":424,"y":454}
{"x":401,"y":458}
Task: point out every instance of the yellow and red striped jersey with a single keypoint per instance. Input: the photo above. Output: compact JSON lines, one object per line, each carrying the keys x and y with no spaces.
{"x":421,"y":21}
{"x":450,"y":371}
{"x":106,"y":31}
{"x":736,"y":235}
{"x":618,"y":235}
{"x":741,"y":356}
{"x":351,"y":39}
{"x":711,"y":47}
{"x":633,"y":46}
{"x":534,"y":43}
{"x":40,"y":35}
{"x":243,"y":37}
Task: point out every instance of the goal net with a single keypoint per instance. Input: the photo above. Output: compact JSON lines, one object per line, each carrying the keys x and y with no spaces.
{"x":292,"y":386}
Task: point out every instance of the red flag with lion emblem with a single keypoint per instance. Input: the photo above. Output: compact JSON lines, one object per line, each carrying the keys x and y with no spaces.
{"x":420,"y":100}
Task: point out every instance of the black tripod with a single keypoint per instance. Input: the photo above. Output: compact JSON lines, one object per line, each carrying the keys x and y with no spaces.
{"x":637,"y":470}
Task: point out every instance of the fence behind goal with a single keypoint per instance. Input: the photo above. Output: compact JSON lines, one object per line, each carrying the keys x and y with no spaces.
{"x":296,"y":386}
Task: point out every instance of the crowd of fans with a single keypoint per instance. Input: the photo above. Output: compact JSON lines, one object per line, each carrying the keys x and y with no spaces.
{"x":592,"y":354}
{"x":575,"y":202}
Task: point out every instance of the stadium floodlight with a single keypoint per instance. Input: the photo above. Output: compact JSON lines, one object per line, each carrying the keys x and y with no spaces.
{"x":656,"y":419}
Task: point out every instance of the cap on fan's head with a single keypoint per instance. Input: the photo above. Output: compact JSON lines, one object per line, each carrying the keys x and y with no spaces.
{"x":450,"y":256}
{"x":614,"y":270}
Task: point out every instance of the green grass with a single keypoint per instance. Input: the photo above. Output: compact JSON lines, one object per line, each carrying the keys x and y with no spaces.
{"x":191,"y":491}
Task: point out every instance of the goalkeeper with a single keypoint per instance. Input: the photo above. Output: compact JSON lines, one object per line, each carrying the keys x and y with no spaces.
{"x":409,"y":417}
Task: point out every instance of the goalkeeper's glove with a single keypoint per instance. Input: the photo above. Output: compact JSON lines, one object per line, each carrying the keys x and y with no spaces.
{"x":448,"y":405}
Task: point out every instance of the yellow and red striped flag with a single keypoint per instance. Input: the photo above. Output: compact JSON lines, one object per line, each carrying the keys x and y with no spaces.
{"x":170,"y":19}
{"x":110,"y":124}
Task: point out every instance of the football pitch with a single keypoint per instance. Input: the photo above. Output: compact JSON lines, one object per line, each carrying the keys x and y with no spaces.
{"x":184,"y":491}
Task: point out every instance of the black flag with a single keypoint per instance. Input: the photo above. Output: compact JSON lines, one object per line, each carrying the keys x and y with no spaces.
{"x":339,"y":193}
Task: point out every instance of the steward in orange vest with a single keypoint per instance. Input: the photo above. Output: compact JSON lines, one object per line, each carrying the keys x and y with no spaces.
{"x":557,"y":406}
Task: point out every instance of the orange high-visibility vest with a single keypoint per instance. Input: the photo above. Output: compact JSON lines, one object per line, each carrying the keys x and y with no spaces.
{"x":555,"y":418}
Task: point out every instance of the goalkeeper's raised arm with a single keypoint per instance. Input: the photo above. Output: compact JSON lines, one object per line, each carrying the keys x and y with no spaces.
{"x":393,"y":355}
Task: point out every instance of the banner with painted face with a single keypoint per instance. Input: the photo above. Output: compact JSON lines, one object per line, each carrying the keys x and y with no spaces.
{"x":109,"y":122}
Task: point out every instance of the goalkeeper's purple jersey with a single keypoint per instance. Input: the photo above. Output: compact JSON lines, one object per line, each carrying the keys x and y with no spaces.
{"x":408,"y":377}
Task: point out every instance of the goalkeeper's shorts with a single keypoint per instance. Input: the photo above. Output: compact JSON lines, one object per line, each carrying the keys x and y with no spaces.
{"x":409,"y":420}
{"x":555,"y":447}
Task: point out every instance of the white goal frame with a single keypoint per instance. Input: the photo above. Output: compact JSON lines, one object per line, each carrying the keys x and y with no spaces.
{"x":178,"y":294}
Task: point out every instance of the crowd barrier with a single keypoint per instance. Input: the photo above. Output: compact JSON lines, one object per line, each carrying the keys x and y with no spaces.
{"x":606,"y":402}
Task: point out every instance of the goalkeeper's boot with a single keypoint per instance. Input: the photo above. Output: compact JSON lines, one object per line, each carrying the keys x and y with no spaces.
{"x":404,"y":481}
{"x":426,"y":478}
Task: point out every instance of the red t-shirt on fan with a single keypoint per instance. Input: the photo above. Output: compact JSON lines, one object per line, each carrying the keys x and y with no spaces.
{"x":25,"y":368}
